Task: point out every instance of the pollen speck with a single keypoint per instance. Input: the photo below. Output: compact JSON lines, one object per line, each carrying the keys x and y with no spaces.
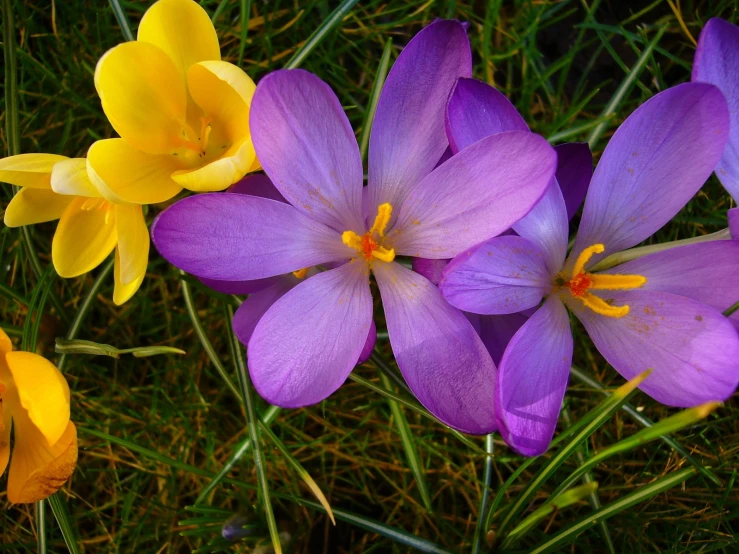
{"x":699,"y":318}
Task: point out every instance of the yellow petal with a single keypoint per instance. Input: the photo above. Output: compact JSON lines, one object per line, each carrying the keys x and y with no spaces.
{"x":4,"y":438}
{"x":124,"y":174}
{"x":84,"y":237}
{"x":133,"y":241}
{"x":70,"y":177}
{"x":143,"y":96}
{"x":38,"y":470}
{"x":43,"y":393}
{"x":221,"y":173}
{"x":31,"y":206}
{"x":224,"y":92}
{"x":28,"y":170}
{"x":183,"y":30}
{"x":122,"y":293}
{"x":5,"y":346}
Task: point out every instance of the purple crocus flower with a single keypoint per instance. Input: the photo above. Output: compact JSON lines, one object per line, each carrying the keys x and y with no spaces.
{"x":658,"y":312}
{"x":308,"y":341}
{"x":717,"y":62}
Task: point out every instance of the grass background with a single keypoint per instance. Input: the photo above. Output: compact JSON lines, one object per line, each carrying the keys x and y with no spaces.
{"x":153,"y":430}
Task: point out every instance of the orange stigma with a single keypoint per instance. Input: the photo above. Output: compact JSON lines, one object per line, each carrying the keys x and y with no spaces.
{"x":581,"y":283}
{"x":369,"y":245}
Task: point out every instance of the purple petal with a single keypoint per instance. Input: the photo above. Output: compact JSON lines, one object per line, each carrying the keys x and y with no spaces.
{"x":438,"y":352}
{"x":733,"y":215}
{"x":369,"y":344}
{"x":237,"y":287}
{"x":504,"y":275}
{"x":574,"y":171}
{"x":476,"y":110}
{"x":707,"y":272}
{"x":547,"y":226}
{"x":717,"y":62}
{"x":431,"y":269}
{"x":496,"y":331}
{"x":237,"y":237}
{"x":655,"y":162}
{"x":256,"y":305}
{"x":532,"y":379}
{"x":691,"y":348}
{"x":257,"y":185}
{"x":476,"y":195}
{"x":307,"y":343}
{"x":408,"y":136}
{"x":307,"y":147}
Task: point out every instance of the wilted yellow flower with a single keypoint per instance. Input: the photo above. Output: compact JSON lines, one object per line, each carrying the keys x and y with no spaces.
{"x":90,"y":227}
{"x":181,"y":112}
{"x":34,"y":399}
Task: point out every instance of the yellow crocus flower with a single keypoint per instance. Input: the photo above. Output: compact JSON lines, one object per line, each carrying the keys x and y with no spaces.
{"x":34,"y":400}
{"x":181,"y":112}
{"x":90,"y":226}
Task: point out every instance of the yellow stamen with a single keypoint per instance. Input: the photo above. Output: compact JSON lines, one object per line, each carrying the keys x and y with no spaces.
{"x":369,"y":245}
{"x":600,"y":306}
{"x":301,"y":273}
{"x":581,"y":283}
{"x":384,"y":212}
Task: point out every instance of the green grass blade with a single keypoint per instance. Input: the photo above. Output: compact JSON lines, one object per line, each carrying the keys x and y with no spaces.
{"x":269,"y":416}
{"x":253,"y":427}
{"x":40,"y":510}
{"x":12,"y":125}
{"x":642,"y":494}
{"x":369,"y":114}
{"x":595,"y":418}
{"x":565,"y":499}
{"x":219,"y":11}
{"x":320,"y":33}
{"x":646,"y":422}
{"x":298,"y":467}
{"x":64,"y":346}
{"x":85,"y":306}
{"x":61,"y":513}
{"x":244,"y":22}
{"x":487,"y":478}
{"x":120,"y":16}
{"x":409,"y":446}
{"x":625,"y":87}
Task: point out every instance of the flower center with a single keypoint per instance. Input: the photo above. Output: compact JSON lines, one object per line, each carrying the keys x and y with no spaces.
{"x":98,"y":204}
{"x":369,"y":245}
{"x":580,"y":283}
{"x":192,"y":146}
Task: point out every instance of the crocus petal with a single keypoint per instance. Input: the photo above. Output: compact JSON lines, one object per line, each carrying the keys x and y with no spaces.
{"x":38,"y":470}
{"x":143,"y":96}
{"x":237,"y":237}
{"x":84,"y":237}
{"x":133,"y":241}
{"x":30,"y":206}
{"x":547,"y":226}
{"x":221,"y":173}
{"x":256,"y":305}
{"x":475,"y":111}
{"x":29,"y":170}
{"x":733,"y":215}
{"x":438,"y":351}
{"x":5,"y":345}
{"x":691,"y":348}
{"x":476,"y":195}
{"x":706,"y":272}
{"x":654,"y":163}
{"x":5,"y":426}
{"x":257,"y":185}
{"x":431,"y":269}
{"x":70,"y":177}
{"x":496,"y":331}
{"x":307,"y":147}
{"x":42,"y":391}
{"x":574,"y":171}
{"x":369,"y":344}
{"x":237,"y":287}
{"x":408,"y":135}
{"x":716,"y":61}
{"x":124,"y":174}
{"x":532,"y":379}
{"x":183,"y":30}
{"x":122,"y":292}
{"x":504,"y":275}
{"x":307,"y":343}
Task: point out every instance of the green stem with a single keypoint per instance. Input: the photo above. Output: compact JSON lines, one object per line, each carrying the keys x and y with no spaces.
{"x":485,"y":497}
